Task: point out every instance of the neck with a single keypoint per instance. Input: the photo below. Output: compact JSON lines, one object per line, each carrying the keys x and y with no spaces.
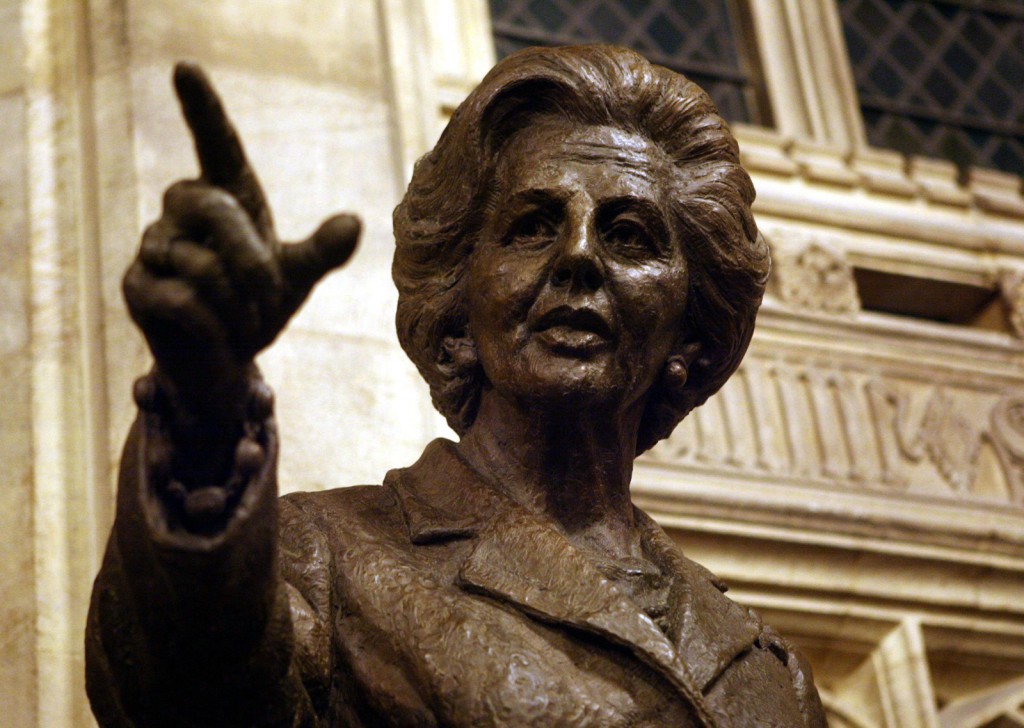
{"x":570,"y":464}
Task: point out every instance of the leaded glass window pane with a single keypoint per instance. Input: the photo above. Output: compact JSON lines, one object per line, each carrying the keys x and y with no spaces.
{"x":696,"y":37}
{"x":942,"y":78}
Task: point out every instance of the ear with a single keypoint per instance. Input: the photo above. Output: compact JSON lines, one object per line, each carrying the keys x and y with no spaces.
{"x":459,"y":354}
{"x":689,"y":351}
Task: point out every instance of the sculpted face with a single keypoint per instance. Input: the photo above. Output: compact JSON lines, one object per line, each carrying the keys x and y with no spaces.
{"x":578,"y":284}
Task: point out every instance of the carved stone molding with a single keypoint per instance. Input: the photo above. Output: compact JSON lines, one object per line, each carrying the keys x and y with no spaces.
{"x":1003,"y":706}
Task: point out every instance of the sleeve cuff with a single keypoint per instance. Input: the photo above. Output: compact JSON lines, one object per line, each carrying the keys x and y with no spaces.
{"x":202,"y":509}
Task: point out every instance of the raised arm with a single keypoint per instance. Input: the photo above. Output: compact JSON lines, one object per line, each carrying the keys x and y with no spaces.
{"x":190,"y":623}
{"x":212,"y":286}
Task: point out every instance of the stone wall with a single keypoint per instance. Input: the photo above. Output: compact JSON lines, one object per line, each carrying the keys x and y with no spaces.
{"x":327,"y":96}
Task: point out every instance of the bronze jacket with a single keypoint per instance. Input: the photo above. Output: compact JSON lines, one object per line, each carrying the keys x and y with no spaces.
{"x":432,"y":600}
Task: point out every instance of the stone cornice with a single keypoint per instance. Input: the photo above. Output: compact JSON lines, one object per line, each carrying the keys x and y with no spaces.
{"x":882,"y":192}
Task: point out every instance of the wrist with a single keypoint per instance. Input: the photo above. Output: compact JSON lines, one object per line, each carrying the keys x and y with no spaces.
{"x":217,"y":395}
{"x":200,"y":465}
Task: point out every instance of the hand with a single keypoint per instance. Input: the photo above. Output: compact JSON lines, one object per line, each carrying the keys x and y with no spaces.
{"x":212,"y":286}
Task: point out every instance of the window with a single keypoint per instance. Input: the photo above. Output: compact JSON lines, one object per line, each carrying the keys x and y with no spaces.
{"x":941,"y":78}
{"x":703,"y":39}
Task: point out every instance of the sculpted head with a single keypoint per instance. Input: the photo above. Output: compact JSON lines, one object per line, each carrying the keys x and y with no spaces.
{"x":707,"y":199}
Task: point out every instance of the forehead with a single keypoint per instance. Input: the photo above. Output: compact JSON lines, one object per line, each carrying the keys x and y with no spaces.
{"x":557,"y":153}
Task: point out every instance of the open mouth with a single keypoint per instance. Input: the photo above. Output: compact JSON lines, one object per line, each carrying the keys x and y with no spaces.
{"x":573,"y":329}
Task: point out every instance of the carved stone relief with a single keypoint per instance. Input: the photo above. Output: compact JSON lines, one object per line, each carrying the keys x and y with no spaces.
{"x":1011,"y":283}
{"x":1007,"y":430}
{"x":810,"y":273}
{"x":854,"y":427}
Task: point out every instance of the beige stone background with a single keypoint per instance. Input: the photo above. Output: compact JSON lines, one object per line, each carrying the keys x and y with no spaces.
{"x":861,"y":480}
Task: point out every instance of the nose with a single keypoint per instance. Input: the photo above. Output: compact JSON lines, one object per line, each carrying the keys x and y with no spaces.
{"x":578,"y":264}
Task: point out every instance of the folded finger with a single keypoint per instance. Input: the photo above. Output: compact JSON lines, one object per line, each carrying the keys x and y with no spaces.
{"x":170,"y":313}
{"x":214,"y":219}
{"x":201,"y":268}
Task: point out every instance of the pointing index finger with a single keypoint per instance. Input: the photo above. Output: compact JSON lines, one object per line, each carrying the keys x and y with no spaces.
{"x":222,"y":159}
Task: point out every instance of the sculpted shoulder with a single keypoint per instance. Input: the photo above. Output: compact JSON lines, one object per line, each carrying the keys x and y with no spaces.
{"x":343,"y":514}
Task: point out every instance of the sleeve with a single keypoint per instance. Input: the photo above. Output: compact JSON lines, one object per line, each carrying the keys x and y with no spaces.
{"x":199,"y":627}
{"x":807,"y":694}
{"x":800,"y":673}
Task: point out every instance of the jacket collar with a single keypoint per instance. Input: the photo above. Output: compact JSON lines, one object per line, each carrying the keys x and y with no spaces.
{"x":442,"y":498}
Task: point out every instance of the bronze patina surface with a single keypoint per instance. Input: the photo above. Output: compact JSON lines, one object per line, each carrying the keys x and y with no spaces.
{"x":578,"y":268}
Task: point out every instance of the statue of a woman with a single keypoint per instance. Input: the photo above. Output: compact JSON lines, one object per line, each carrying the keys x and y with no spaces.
{"x":578,"y":268}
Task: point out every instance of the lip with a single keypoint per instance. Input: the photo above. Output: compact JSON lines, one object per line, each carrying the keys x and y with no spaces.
{"x":572,"y":329}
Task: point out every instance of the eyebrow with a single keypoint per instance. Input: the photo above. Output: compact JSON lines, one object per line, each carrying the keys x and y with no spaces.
{"x":539,"y":196}
{"x":544,"y":196}
{"x":632,"y":202}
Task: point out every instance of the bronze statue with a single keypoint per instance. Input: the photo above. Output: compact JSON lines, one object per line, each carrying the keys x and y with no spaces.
{"x":578,"y":268}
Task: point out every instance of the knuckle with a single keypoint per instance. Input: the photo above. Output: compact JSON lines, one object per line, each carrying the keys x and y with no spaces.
{"x":130,"y":287}
{"x":218,"y":202}
{"x":177,"y":194}
{"x":153,"y":230}
{"x":208,"y":277}
{"x":134,"y":281}
{"x":194,"y":199}
{"x":156,"y":237}
{"x":153,"y":244}
{"x":261,"y":265}
{"x":201,"y":261}
{"x":177,"y":299}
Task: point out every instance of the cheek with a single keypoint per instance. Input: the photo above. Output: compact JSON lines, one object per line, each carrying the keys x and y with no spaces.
{"x":499,"y":297}
{"x":654,"y":333}
{"x":657,"y":303}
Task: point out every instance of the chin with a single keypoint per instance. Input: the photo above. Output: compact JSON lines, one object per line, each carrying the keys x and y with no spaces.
{"x":577,"y":385}
{"x":577,"y":381}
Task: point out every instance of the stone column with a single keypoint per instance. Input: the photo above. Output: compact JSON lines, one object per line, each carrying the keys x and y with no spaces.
{"x":91,"y":136}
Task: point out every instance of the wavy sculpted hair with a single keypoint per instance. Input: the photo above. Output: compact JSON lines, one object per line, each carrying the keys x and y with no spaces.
{"x":438,"y":221}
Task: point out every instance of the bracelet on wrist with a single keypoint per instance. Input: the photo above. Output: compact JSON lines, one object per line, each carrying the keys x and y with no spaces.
{"x":201,"y":506}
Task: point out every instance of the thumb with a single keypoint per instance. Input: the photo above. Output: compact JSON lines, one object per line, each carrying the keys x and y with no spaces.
{"x":304,"y":264}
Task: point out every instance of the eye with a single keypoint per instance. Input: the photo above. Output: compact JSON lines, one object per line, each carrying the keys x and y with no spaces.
{"x":629,"y":236}
{"x":533,"y":228}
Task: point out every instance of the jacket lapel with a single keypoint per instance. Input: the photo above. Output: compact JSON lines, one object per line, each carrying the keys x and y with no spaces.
{"x":523,"y":560}
{"x":709,"y":631}
{"x":520,"y":559}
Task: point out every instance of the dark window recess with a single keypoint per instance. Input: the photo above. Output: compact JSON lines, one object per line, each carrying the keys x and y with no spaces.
{"x":941,"y":78}
{"x":930,"y":299}
{"x":703,"y":39}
